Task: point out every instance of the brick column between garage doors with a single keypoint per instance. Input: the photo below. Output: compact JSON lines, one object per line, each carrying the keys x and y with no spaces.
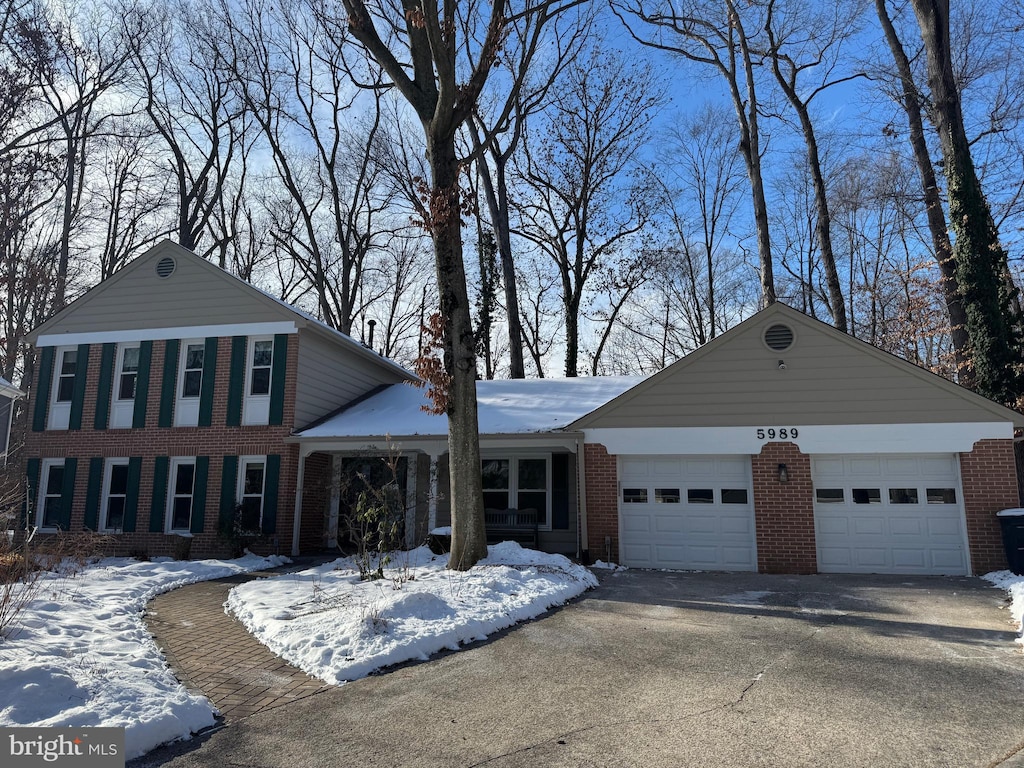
{"x":989,"y":478}
{"x":602,"y":477}
{"x":784,"y":512}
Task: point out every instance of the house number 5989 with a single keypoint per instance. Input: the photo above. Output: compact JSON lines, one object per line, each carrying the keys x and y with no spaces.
{"x":782,"y":433}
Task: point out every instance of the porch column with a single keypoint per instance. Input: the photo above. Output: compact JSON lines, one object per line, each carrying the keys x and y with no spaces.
{"x":297,"y":518}
{"x":411,"y":465}
{"x":335,"y":502}
{"x":432,"y":497}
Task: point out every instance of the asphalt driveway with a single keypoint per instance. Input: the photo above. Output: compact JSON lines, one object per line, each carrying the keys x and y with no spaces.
{"x":682,"y":669}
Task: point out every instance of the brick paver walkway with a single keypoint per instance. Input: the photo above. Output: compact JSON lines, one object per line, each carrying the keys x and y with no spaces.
{"x":214,"y":654}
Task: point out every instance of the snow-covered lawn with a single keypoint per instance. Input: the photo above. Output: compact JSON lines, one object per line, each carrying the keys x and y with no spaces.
{"x":84,"y":658}
{"x":1014,"y":586}
{"x":327,"y":622}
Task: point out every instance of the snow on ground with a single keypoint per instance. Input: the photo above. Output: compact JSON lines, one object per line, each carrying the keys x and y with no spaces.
{"x":327,"y":622}
{"x":83,"y":656}
{"x":1014,"y":586}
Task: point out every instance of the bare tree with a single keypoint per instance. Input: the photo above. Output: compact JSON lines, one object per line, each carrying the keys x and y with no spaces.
{"x":440,"y":58}
{"x":583,"y":197}
{"x":993,"y":325}
{"x":717,"y":35}
{"x":804,"y":40}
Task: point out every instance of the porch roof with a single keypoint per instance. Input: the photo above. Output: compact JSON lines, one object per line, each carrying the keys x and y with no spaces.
{"x":505,"y":407}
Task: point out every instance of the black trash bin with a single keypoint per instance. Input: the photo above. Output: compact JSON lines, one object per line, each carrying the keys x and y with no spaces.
{"x":1012,"y":522}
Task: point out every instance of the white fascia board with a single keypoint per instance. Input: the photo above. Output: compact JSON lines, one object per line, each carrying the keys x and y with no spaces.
{"x":159,"y":334}
{"x":817,"y":438}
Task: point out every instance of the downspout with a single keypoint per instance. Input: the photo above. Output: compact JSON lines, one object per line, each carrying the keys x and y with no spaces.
{"x":297,"y":518}
{"x":582,"y":543}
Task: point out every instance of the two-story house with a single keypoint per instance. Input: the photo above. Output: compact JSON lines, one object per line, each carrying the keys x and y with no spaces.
{"x":163,"y":403}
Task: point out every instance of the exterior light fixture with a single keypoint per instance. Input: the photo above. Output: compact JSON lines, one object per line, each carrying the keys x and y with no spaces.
{"x":783,"y":474}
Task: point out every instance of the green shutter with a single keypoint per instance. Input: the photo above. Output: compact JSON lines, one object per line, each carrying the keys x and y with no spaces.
{"x":236,"y":380}
{"x":199,"y":494}
{"x":142,"y":385}
{"x":93,"y":494}
{"x":104,"y":386}
{"x":277,"y":379}
{"x":270,"y":487}
{"x":169,"y":386}
{"x":67,"y":493}
{"x":158,"y":509}
{"x":209,"y":383}
{"x":131,"y":502}
{"x":42,"y":393}
{"x":228,"y":482}
{"x":32,"y":494}
{"x":78,"y":393}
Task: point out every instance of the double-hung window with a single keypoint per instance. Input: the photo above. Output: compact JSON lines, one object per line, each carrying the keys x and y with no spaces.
{"x":51,"y":494}
{"x":123,"y":412}
{"x":251,"y":484}
{"x":181,"y":493}
{"x":518,"y":482}
{"x":115,"y":495}
{"x":190,"y":383}
{"x":63,"y":387}
{"x":259,"y":365}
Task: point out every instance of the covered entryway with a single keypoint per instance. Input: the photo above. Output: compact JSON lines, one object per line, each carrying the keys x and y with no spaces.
{"x":687,"y":512}
{"x":889,"y":513}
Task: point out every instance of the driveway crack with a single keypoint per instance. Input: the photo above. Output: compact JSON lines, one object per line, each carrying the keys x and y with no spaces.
{"x":562,"y":737}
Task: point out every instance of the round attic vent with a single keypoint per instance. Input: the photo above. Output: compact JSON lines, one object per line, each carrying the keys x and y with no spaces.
{"x":778,"y":337}
{"x":165,"y":267}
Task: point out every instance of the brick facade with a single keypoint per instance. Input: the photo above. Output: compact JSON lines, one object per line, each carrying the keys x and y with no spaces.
{"x":602,"y":477}
{"x":784,"y":512}
{"x":316,"y":497}
{"x":988,"y":476}
{"x":216,"y":441}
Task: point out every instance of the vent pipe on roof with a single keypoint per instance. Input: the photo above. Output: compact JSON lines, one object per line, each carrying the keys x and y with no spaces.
{"x":371,"y":323}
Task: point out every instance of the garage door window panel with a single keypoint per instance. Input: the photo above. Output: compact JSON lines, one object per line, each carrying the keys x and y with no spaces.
{"x":830,"y":495}
{"x":941,"y":496}
{"x":700,"y":496}
{"x":903,"y":496}
{"x":634,"y":495}
{"x":666,"y":496}
{"x":734,"y":496}
{"x":867,"y":495}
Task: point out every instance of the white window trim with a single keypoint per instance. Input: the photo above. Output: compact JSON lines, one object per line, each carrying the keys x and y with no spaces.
{"x":177,"y":461}
{"x":44,"y":472}
{"x":108,"y":468}
{"x":513,"y":479}
{"x":186,"y":409}
{"x":240,"y":483}
{"x":122,"y":410}
{"x":60,"y":412}
{"x":256,"y":408}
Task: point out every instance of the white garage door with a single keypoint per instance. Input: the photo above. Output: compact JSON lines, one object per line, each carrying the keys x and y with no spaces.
{"x":687,"y":512}
{"x":889,"y":514}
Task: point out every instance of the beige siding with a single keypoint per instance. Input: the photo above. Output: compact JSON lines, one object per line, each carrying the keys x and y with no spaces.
{"x":197,"y":293}
{"x":736,"y":381}
{"x":329,"y":377}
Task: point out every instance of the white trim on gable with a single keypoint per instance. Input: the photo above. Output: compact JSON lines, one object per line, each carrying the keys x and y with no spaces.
{"x":812,"y":439}
{"x":160,"y":334}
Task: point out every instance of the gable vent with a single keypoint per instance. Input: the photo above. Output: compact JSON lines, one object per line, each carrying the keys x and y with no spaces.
{"x":165,"y":267}
{"x":779,"y":337}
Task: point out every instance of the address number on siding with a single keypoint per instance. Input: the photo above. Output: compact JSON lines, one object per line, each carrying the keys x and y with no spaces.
{"x":782,"y":433}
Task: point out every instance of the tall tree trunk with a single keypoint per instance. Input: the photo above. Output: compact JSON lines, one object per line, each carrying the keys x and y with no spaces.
{"x":979,"y":259}
{"x":911,"y":103}
{"x":469,"y":539}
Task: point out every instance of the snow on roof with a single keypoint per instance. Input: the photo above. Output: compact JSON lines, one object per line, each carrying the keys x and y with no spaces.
{"x":511,"y":406}
{"x":9,"y":390}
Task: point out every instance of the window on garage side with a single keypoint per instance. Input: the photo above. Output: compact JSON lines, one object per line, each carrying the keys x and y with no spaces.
{"x":634,"y":495}
{"x":941,"y":495}
{"x":734,"y":495}
{"x":903,"y":496}
{"x":666,"y":496}
{"x":829,"y":495}
{"x":700,"y":495}
{"x":867,"y":495}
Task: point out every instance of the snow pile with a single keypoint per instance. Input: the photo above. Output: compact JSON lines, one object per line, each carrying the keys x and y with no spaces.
{"x":602,"y":565}
{"x":83,"y":656}
{"x":333,"y":626}
{"x":1014,"y":585}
